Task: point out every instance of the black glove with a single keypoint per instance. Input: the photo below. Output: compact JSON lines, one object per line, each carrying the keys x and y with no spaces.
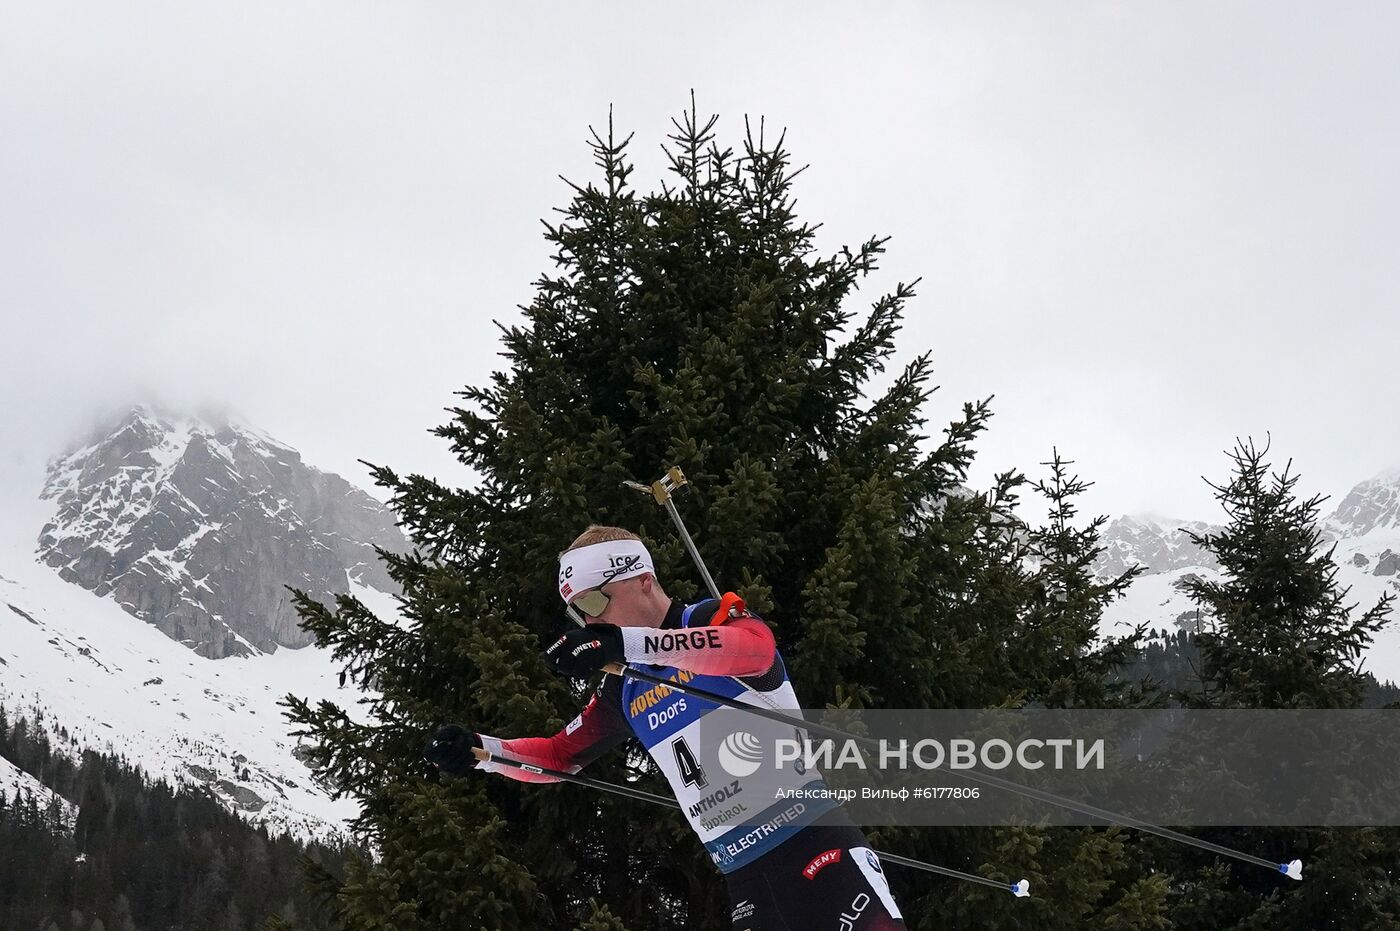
{"x":450,"y":749}
{"x":584,"y":650}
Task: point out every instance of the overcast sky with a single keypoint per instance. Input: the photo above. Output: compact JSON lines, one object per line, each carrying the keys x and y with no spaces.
{"x":1146,"y":228}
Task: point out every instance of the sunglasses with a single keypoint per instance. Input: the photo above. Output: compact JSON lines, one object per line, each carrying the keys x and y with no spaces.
{"x":591,"y":603}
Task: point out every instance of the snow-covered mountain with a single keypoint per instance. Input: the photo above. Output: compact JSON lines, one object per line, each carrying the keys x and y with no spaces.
{"x":1365,"y":528}
{"x":70,"y":659}
{"x":1371,"y":508}
{"x":152,"y":623}
{"x":197,"y":527}
{"x":1158,"y":543}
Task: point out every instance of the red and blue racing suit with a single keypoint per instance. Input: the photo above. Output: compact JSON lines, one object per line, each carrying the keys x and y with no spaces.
{"x":789,"y":865}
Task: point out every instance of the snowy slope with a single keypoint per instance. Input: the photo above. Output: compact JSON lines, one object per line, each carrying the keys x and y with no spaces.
{"x":119,"y":684}
{"x":16,"y":782}
{"x":1154,"y":599}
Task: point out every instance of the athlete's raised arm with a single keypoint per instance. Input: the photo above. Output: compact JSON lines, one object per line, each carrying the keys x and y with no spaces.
{"x":741,"y":646}
{"x":733,"y":643}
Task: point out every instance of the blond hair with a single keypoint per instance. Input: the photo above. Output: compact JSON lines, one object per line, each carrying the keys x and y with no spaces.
{"x":600,"y":533}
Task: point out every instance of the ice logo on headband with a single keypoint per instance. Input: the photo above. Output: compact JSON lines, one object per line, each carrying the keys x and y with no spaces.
{"x":621,"y":565}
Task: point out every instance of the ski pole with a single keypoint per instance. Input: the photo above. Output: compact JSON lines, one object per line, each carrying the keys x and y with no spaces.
{"x":1019,"y":889}
{"x":1292,"y":869}
{"x":661,"y":490}
{"x":674,"y":478}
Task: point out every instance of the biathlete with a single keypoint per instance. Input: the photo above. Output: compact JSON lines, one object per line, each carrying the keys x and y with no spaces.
{"x":789,"y":866}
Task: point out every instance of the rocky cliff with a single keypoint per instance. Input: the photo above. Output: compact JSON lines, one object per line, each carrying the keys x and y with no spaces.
{"x":198,"y":526}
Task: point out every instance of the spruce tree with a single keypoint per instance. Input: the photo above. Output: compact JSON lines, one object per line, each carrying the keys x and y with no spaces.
{"x":1280,"y":634}
{"x":694,"y":325}
{"x":1073,"y":667}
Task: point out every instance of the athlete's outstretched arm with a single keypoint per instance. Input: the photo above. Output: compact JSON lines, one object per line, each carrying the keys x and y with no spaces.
{"x":597,"y":729}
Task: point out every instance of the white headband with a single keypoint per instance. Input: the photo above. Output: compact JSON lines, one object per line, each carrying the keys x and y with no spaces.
{"x":599,"y":563}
